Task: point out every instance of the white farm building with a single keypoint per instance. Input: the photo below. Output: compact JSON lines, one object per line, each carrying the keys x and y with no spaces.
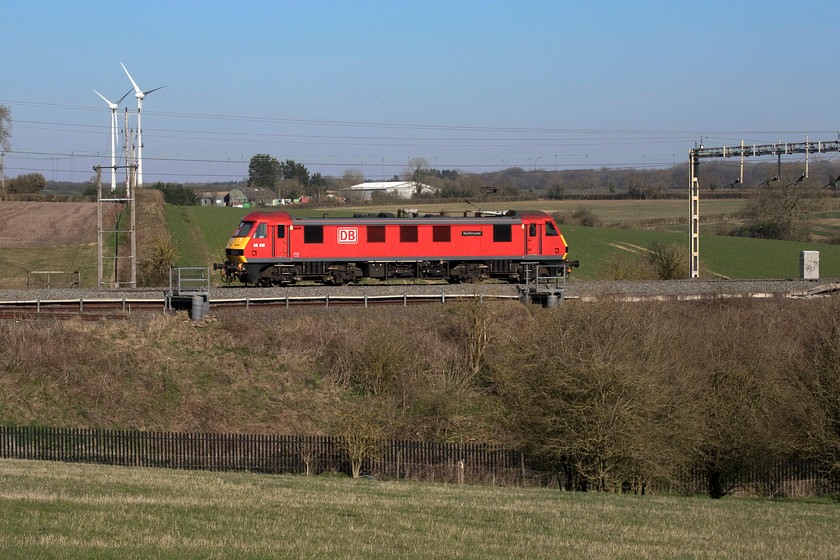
{"x":401,"y":189}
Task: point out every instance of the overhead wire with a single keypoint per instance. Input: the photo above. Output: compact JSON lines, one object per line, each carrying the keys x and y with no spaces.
{"x":527,"y":140}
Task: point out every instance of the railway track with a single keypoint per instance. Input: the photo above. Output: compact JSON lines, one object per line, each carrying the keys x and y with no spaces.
{"x":121,"y":308}
{"x":118,"y":305}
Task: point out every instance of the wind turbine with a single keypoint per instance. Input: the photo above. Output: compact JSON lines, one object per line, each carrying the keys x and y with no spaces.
{"x":113,"y":106}
{"x":140,"y":95}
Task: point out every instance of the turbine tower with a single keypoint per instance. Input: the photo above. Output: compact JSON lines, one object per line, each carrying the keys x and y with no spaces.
{"x":113,"y":106}
{"x":140,"y":95}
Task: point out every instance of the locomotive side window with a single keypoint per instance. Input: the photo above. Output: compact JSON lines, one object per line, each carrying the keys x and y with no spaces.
{"x":313,"y":234}
{"x":262,"y":231}
{"x":244,"y":229}
{"x":376,"y":234}
{"x":532,"y":230}
{"x":408,"y":234}
{"x":550,"y":230}
{"x":502,"y":233}
{"x":281,"y":232}
{"x":442,"y":234}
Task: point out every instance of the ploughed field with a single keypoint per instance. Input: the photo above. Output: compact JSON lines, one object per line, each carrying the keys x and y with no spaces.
{"x":47,"y":224}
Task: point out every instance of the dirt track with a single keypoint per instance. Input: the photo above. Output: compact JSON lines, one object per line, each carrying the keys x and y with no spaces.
{"x":47,"y":224}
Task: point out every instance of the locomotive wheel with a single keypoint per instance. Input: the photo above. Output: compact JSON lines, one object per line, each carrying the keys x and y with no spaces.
{"x":467,"y":274}
{"x":336,"y":279}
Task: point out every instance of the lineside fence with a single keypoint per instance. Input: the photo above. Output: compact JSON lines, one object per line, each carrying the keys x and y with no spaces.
{"x":456,"y":463}
{"x":53,"y":279}
{"x":274,"y":454}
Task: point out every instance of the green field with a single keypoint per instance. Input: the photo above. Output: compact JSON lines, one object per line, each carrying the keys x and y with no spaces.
{"x":720,"y":256}
{"x":81,"y":258}
{"x":55,"y":510}
{"x":201,"y":234}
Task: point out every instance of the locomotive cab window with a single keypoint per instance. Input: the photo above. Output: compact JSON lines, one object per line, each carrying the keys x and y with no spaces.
{"x":502,"y":233}
{"x":550,"y":230}
{"x":313,"y":234}
{"x":532,"y":230}
{"x":281,"y":231}
{"x":244,"y":229}
{"x":262,"y":231}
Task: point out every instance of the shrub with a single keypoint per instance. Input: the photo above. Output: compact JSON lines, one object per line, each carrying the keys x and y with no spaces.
{"x":669,"y":261}
{"x":157,"y":257}
{"x":623,"y":265}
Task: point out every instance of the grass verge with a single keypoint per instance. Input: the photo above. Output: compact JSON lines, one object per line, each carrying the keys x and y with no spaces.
{"x":54,"y":510}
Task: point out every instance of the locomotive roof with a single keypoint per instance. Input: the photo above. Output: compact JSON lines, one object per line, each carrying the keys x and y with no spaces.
{"x":388,"y":218}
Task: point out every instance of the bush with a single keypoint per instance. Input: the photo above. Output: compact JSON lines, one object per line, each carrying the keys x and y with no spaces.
{"x":579,"y":217}
{"x":624,"y":265}
{"x":157,"y":257}
{"x":669,"y":261}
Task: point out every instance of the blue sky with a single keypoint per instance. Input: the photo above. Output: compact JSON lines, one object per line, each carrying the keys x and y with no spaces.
{"x":369,"y":85}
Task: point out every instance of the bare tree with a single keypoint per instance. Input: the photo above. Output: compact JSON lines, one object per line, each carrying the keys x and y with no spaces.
{"x":352,"y":177}
{"x":362,"y":429}
{"x":819,"y":374}
{"x":414,"y":173}
{"x":473,"y":326}
{"x":585,"y":390}
{"x":781,"y":212}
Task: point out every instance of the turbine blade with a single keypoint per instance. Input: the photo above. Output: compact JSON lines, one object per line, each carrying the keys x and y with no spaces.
{"x":124,"y":96}
{"x":151,"y":90}
{"x":136,"y":89}
{"x":103,"y":98}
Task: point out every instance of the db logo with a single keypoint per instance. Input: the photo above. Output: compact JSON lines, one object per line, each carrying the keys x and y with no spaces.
{"x":348,"y":235}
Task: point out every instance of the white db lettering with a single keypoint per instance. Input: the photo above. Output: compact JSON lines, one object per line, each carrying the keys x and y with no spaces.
{"x":348,"y":235}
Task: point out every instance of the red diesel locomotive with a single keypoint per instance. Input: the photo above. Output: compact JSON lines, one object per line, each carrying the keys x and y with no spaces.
{"x":272,"y":247}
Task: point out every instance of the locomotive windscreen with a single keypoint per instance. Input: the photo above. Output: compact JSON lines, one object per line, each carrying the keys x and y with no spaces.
{"x":244,"y":229}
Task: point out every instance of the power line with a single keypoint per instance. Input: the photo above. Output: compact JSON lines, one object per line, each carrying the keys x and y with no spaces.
{"x":412,"y":126}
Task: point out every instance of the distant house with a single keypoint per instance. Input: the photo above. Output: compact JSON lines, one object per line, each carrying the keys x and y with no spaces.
{"x":401,"y":189}
{"x":261,"y":196}
{"x":236,"y":198}
{"x":248,"y":196}
{"x":212,"y":198}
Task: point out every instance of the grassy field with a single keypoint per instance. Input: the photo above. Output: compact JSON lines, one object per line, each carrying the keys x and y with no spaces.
{"x":54,"y":510}
{"x":720,"y":256}
{"x":81,"y":258}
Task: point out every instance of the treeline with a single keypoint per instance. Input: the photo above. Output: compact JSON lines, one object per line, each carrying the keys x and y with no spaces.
{"x":177,"y":194}
{"x":291,"y":179}
{"x":24,"y":184}
{"x":609,"y":396}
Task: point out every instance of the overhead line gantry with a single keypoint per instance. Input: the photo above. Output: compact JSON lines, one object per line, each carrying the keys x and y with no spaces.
{"x":756,"y":150}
